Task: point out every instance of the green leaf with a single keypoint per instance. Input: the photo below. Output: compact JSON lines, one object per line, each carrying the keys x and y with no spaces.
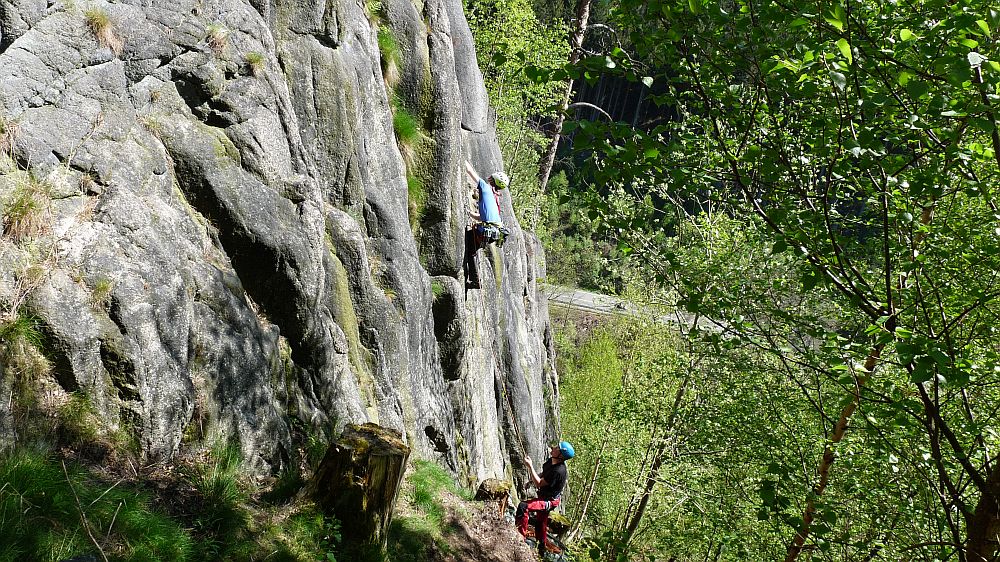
{"x":970,"y":43}
{"x":984,"y":26}
{"x":835,"y":21}
{"x":845,"y":49}
{"x":839,"y":80}
{"x":695,"y":6}
{"x":906,"y":35}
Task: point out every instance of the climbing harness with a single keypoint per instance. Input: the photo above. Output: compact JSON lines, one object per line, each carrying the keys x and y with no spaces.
{"x":488,"y":232}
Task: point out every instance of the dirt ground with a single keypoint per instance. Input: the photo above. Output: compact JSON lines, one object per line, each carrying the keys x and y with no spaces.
{"x":478,"y":531}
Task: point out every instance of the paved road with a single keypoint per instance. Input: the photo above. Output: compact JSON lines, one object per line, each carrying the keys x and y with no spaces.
{"x":585,"y":300}
{"x":608,"y":304}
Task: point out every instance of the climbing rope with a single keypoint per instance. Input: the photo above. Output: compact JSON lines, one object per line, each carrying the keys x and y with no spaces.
{"x":510,"y":407}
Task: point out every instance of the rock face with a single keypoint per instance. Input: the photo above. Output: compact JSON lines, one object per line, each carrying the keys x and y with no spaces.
{"x":229,"y":234}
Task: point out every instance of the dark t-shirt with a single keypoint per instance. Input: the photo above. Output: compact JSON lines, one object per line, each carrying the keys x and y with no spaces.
{"x":555,"y":480}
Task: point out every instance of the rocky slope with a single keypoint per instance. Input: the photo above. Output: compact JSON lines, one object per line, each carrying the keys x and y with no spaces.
{"x":209,"y":218}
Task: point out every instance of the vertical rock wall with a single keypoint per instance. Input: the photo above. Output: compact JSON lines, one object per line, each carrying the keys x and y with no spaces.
{"x":229,"y":234}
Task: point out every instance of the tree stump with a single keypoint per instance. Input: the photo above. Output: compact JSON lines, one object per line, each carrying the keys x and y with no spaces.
{"x":558,"y":523}
{"x":357,"y":482}
{"x":495,"y":490}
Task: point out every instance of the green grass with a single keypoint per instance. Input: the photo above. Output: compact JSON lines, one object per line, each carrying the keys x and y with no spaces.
{"x":100,"y":24}
{"x":21,"y":361}
{"x":416,"y":198}
{"x":374,"y":9}
{"x":256,"y":62}
{"x":24,"y":210}
{"x":387,"y":46}
{"x":78,"y":420}
{"x":437,"y":289}
{"x":40,"y":517}
{"x":217,"y":37}
{"x":101,"y":292}
{"x":406,"y":126}
{"x":410,"y":536}
{"x":22,"y":328}
{"x":49,"y":514}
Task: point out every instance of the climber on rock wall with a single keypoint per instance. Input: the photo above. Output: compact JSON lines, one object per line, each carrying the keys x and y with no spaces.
{"x":487,"y":225}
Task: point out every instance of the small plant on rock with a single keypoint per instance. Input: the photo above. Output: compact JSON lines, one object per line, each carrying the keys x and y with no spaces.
{"x":217,"y":38}
{"x":255,"y":62}
{"x":8,"y":134}
{"x":389,"y":50}
{"x":101,"y":292}
{"x":24,"y":211}
{"x":101,"y":25}
{"x":416,"y":197}
{"x":408,"y":133}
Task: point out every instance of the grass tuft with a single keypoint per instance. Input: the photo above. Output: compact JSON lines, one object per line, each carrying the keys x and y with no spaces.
{"x":217,"y":38}
{"x":255,"y":62}
{"x":389,"y":49}
{"x":101,"y":25}
{"x":101,"y":293}
{"x":25,"y":210}
{"x":437,"y":289}
{"x":408,"y":133}
{"x":8,"y":135}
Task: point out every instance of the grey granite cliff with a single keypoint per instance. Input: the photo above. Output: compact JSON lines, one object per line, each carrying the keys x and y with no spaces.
{"x":226,"y":240}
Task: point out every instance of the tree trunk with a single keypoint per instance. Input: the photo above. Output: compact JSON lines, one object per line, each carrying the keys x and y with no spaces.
{"x":591,"y":485}
{"x":357,"y":482}
{"x":984,"y":525}
{"x":795,"y":548}
{"x":575,"y":45}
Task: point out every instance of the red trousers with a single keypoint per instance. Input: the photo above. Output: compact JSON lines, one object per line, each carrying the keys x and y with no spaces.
{"x":541,"y":509}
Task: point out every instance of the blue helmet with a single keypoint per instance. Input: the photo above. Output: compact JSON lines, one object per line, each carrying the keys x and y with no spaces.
{"x":566,"y":450}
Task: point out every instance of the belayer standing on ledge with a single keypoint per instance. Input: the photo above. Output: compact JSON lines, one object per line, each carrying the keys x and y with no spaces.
{"x":549,"y":486}
{"x":487,"y":224}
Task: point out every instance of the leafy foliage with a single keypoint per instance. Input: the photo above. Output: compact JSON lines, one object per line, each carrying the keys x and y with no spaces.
{"x":509,"y":37}
{"x":825,"y":193}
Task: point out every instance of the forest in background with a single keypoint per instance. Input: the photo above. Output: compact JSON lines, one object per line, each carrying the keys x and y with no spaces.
{"x":814,"y":197}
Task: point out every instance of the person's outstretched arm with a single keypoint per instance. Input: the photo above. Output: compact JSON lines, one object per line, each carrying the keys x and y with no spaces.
{"x":537,"y":480}
{"x":472,"y":173}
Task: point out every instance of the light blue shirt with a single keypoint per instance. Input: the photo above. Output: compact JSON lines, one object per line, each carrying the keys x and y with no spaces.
{"x":488,"y":209}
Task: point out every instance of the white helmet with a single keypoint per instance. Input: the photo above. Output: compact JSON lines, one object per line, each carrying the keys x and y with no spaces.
{"x":500,"y":180}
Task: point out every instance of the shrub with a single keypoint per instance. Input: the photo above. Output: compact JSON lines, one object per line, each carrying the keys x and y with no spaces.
{"x":100,"y":24}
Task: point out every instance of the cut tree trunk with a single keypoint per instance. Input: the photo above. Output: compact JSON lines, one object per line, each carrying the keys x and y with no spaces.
{"x":357,"y":482}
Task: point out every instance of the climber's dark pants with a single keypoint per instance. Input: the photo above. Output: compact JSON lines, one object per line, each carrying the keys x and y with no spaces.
{"x":541,"y":509}
{"x":472,"y":244}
